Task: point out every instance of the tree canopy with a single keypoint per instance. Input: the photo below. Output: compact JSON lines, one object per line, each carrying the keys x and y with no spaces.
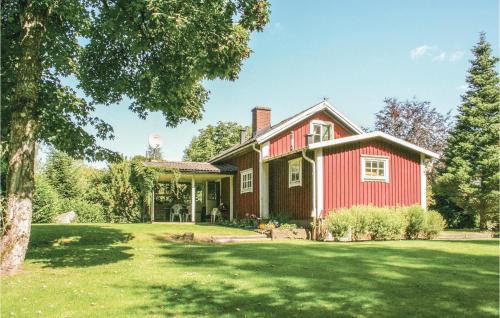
{"x":470,"y":175}
{"x":155,"y":53}
{"x":414,"y":121}
{"x":212,"y":140}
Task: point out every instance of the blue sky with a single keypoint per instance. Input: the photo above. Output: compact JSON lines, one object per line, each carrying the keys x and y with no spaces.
{"x":355,"y":53}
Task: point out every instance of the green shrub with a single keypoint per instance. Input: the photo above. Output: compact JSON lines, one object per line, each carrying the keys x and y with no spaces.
{"x":433,"y":225}
{"x":287,"y":226}
{"x":360,"y":219}
{"x":87,"y":212}
{"x":339,"y":223}
{"x":415,"y":221}
{"x":46,"y":203}
{"x":386,"y":224}
{"x":279,"y":218}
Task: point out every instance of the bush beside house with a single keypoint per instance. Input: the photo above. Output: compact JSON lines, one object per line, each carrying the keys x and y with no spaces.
{"x":369,"y":222}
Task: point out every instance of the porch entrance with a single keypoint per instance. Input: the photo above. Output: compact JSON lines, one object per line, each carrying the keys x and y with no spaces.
{"x":195,"y":194}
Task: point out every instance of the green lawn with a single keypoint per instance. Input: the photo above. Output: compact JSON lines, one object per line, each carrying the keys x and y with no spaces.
{"x":132,"y":271}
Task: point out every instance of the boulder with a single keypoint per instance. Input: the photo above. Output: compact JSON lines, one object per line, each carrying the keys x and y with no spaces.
{"x":66,"y":218}
{"x":295,"y":234}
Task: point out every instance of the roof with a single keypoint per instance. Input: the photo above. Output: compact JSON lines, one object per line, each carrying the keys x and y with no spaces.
{"x":265,"y":134}
{"x":291,"y":121}
{"x":195,"y":167}
{"x":373,"y":135}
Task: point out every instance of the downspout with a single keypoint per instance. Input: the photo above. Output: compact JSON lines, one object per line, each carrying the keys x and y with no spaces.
{"x":315,"y":210}
{"x":260,"y":177}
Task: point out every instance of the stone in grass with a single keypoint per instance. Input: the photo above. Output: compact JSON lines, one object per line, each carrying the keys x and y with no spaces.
{"x":66,"y":218}
{"x":295,"y":234}
{"x":188,"y":236}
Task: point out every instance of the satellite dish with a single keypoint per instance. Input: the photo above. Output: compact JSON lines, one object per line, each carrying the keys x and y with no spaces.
{"x":155,"y":140}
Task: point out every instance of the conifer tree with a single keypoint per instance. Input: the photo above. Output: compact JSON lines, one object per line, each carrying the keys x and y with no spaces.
{"x":470,"y":176}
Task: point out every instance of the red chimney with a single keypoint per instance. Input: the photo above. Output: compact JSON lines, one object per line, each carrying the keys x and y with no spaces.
{"x":261,"y":119}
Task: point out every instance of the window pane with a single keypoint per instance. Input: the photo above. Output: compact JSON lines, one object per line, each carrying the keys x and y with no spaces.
{"x":326,"y":132}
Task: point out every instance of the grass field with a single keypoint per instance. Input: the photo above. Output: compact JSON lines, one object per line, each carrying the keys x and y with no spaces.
{"x":132,"y":271}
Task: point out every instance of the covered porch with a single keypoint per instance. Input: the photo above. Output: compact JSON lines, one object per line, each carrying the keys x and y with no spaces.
{"x":190,"y":191}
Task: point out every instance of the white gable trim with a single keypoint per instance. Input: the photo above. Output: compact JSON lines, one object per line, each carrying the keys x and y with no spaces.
{"x":376,"y":134}
{"x":324,"y":105}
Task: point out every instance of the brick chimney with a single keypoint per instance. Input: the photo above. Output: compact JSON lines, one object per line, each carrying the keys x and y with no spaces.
{"x":261,"y":119}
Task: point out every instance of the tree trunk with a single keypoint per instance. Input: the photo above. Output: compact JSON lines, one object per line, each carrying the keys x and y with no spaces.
{"x":16,"y":218}
{"x":483,"y":220}
{"x":20,"y":184}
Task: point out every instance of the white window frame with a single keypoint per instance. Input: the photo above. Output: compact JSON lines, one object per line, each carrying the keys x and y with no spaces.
{"x":243,"y":188}
{"x":384,"y":159}
{"x":296,"y":183}
{"x":322,"y":123}
{"x":292,"y":140}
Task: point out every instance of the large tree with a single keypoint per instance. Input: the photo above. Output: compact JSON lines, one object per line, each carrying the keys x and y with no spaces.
{"x":414,"y":121}
{"x":155,"y":52}
{"x":212,"y":140}
{"x":470,"y":175}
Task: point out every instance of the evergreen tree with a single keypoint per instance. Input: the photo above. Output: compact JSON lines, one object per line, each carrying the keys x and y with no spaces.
{"x":62,"y":175}
{"x":470,"y":176}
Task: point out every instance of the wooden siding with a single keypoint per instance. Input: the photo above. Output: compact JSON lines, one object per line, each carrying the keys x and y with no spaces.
{"x":246,"y":202}
{"x":342,"y":177}
{"x":295,"y":202}
{"x":281,"y":144}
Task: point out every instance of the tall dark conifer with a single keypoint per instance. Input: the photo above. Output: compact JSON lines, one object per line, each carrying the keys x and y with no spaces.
{"x":470,"y":174}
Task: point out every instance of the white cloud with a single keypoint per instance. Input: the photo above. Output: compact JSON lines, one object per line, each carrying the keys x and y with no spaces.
{"x":419,"y":52}
{"x":440,"y":57}
{"x":435,"y":55}
{"x":455,"y":56}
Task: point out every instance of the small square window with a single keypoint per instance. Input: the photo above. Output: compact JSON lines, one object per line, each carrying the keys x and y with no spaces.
{"x":374,"y":168}
{"x":321,"y":131}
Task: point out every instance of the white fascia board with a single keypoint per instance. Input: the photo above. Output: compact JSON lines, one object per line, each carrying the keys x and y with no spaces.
{"x":344,"y":119}
{"x":324,"y":105}
{"x":376,"y":134}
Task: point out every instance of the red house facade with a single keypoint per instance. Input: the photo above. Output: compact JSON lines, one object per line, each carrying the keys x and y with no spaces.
{"x":306,"y":166}
{"x":318,"y":161}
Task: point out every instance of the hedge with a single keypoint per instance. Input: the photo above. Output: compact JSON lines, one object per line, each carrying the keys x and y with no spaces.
{"x":387,"y":223}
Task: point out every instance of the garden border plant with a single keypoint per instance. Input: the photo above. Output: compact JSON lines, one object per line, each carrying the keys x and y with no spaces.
{"x":384,"y":223}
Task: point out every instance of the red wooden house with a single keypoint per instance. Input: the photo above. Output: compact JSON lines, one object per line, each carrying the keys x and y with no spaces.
{"x":312,"y":163}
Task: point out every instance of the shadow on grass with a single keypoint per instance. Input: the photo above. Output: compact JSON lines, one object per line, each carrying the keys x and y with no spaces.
{"x":77,"y":245}
{"x":325,"y":280}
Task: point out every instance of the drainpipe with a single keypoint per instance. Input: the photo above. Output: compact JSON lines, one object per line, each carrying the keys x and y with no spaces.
{"x":260,"y":178}
{"x":313,"y":164}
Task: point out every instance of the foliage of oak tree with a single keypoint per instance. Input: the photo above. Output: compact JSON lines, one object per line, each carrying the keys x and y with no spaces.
{"x":470,"y":175}
{"x":157,"y":53}
{"x":212,"y":140}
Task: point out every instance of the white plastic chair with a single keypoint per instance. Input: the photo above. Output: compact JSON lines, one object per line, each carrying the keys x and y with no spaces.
{"x":214,"y":215}
{"x":176,"y":211}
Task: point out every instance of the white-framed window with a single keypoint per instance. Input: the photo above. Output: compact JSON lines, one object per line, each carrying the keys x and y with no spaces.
{"x":374,"y":168}
{"x":246,"y":181}
{"x":295,"y":172}
{"x":321,"y":130}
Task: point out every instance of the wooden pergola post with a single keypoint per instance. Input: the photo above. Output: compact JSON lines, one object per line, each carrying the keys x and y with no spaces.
{"x":193,"y":199}
{"x":231,"y":201}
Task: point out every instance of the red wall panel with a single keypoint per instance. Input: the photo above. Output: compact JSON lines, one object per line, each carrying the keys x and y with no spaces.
{"x":281,"y":144}
{"x":296,"y":202}
{"x":246,"y":202}
{"x":342,"y":183}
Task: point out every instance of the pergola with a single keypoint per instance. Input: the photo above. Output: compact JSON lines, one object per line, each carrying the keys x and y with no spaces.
{"x":194,"y":173}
